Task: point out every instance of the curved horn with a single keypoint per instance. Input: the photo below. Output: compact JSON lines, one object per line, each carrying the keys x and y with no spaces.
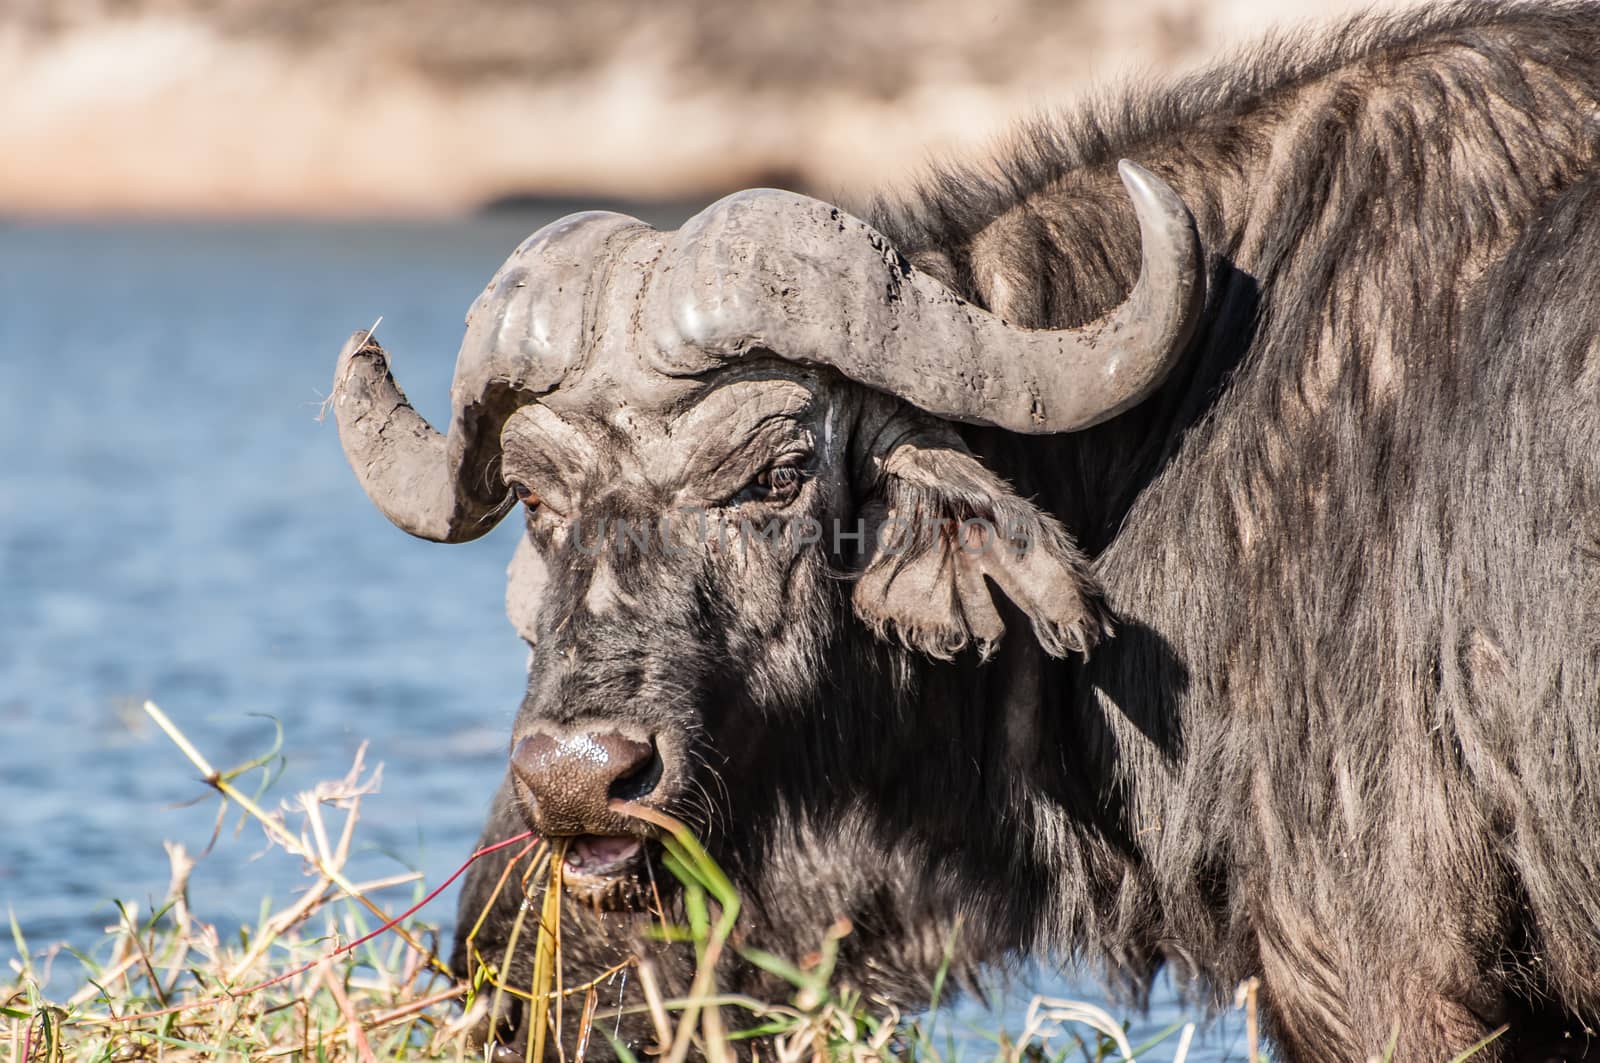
{"x":517,"y":346}
{"x":763,"y":271}
{"x":401,"y":461}
{"x":785,"y":274}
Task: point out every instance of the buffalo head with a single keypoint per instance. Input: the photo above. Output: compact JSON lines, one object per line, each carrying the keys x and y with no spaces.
{"x":733,"y":446}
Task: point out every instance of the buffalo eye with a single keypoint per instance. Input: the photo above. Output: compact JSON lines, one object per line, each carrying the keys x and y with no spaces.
{"x":776,"y":483}
{"x":525,"y":495}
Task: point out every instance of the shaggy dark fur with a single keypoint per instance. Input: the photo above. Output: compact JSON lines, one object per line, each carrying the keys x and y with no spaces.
{"x":1346,"y":736}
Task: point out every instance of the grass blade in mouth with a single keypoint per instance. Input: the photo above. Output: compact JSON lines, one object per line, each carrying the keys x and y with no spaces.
{"x":547,"y":953}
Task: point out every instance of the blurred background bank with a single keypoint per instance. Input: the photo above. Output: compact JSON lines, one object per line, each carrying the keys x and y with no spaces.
{"x":417,"y":106}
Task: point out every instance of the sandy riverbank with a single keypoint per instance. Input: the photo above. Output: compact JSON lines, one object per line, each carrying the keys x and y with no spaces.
{"x":183,"y":106}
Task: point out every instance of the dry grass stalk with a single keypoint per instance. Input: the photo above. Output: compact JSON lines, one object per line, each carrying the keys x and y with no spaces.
{"x":547,"y":956}
{"x":173,"y":989}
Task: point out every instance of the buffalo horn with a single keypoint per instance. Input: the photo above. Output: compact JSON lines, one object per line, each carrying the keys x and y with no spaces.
{"x":771,"y":272}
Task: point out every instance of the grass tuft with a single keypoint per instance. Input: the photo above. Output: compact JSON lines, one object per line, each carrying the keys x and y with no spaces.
{"x":335,"y":976}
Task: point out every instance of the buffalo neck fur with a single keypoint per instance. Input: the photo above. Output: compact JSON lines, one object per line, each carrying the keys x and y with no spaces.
{"x":1307,"y":705}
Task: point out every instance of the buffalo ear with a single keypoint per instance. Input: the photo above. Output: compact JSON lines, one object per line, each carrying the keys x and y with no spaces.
{"x":941,"y":528}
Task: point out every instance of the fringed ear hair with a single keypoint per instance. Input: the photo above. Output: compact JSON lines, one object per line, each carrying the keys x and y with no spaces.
{"x":943,"y":527}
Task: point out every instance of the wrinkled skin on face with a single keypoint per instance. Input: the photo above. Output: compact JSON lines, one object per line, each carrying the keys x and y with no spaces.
{"x":703,"y":574}
{"x":664,"y":586}
{"x":704,"y":556}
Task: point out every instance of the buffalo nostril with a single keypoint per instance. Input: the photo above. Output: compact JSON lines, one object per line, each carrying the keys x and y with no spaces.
{"x":638,"y":780}
{"x":623,"y":755}
{"x":572,"y":778}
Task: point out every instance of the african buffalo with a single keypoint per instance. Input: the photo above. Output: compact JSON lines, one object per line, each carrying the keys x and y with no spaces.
{"x":1277,"y":452}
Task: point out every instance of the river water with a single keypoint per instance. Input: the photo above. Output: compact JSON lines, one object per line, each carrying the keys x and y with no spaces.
{"x":176,"y":524}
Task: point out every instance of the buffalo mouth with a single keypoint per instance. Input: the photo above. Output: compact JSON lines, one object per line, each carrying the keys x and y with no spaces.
{"x":610,"y":872}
